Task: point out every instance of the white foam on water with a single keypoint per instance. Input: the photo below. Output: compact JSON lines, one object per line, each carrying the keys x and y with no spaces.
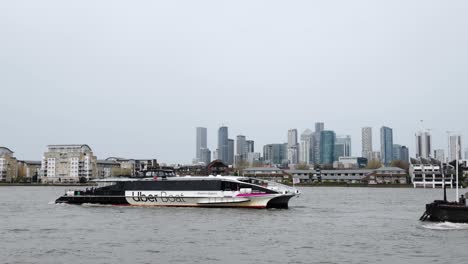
{"x":95,"y":205}
{"x":446,"y":226}
{"x":57,"y":204}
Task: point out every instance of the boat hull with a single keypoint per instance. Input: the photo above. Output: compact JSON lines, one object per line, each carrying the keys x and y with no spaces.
{"x":90,"y":199}
{"x":440,"y":211}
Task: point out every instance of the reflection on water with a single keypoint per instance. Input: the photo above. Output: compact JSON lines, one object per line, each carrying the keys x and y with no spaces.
{"x":323,"y":225}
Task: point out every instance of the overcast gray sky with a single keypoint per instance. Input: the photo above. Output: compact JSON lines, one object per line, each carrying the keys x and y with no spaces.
{"x":134,"y":78}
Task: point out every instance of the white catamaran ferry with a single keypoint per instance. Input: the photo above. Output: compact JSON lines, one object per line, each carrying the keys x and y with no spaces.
{"x":164,"y":188}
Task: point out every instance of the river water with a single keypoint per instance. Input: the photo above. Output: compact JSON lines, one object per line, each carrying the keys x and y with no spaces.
{"x":324,"y":225}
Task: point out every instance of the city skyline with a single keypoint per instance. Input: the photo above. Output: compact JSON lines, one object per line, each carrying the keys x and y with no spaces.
{"x":212,"y":147}
{"x":330,"y":146}
{"x":343,"y":144}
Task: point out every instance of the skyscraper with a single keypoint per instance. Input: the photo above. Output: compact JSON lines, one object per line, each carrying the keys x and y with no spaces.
{"x":292,"y":137}
{"x":375,"y":155}
{"x":319,"y":127}
{"x":327,"y":147}
{"x":223,"y":144}
{"x":466,"y":153}
{"x":293,"y":155}
{"x":305,"y":148}
{"x":423,"y":145}
{"x":342,"y":147}
{"x":205,"y":156}
{"x":386,"y":145}
{"x":230,"y":155}
{"x":367,"y":142}
{"x":439,"y":154}
{"x":455,"y":147}
{"x":241,"y":147}
{"x":200,"y":143}
{"x":254,"y":158}
{"x":275,"y":154}
{"x":400,"y":153}
{"x":396,"y":152}
{"x":404,"y":154}
{"x":250,"y":146}
{"x":241,"y":150}
{"x":293,"y":148}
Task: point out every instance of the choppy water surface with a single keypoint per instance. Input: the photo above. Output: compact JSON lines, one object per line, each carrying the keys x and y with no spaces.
{"x":324,"y":225}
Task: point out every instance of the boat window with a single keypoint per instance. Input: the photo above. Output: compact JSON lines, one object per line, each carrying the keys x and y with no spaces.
{"x":160,"y":174}
{"x":105,"y":184}
{"x":230,"y":186}
{"x":256,"y":182}
{"x":169,"y":173}
{"x":256,"y":186}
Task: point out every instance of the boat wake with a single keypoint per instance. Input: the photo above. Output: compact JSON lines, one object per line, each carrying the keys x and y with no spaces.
{"x":57,"y":204}
{"x":446,"y":226}
{"x":96,"y":205}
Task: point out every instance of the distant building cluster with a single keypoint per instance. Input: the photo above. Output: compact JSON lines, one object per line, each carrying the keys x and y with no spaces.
{"x":69,"y":164}
{"x":322,"y":152}
{"x":238,"y":152}
{"x":318,"y":148}
{"x":11,"y":168}
{"x":384,"y":175}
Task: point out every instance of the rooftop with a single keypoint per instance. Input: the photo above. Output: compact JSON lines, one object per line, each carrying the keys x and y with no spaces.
{"x":263,"y":169}
{"x":109,"y":162}
{"x":300,"y":171}
{"x":31,"y":162}
{"x":83,"y":147}
{"x":389,"y":169}
{"x":5,"y":150}
{"x":349,"y":171}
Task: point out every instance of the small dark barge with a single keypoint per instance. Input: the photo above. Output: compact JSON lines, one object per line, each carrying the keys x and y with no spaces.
{"x":444,"y":211}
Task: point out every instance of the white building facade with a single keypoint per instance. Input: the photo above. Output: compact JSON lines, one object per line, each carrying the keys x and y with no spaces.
{"x":8,"y":165}
{"x":68,"y":164}
{"x":429,"y":176}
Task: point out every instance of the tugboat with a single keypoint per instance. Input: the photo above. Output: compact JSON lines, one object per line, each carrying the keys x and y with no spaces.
{"x":165,"y":188}
{"x":446,"y":211}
